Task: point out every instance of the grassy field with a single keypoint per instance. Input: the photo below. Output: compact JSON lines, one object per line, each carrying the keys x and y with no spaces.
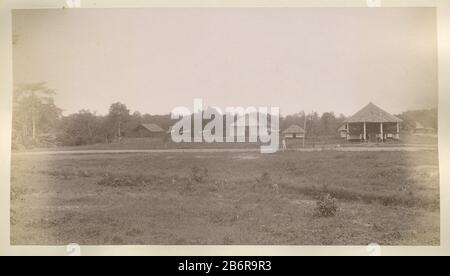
{"x":158,"y":143}
{"x":390,"y":198}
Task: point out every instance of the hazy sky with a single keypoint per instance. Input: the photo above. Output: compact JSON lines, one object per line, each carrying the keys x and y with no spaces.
{"x":321,"y":59}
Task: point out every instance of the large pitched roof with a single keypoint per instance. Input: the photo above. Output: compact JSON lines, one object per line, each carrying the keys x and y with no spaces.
{"x":182,"y":131}
{"x":152,"y":127}
{"x":373,"y":114}
{"x":294,"y":129}
{"x":419,"y":125}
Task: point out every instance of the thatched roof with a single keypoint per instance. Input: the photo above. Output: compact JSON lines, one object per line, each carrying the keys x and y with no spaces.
{"x":294,"y":129}
{"x":419,"y":125}
{"x":373,"y":114}
{"x":151,"y":127}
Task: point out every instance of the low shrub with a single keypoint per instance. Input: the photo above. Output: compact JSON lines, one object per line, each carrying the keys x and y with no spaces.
{"x":122,"y":181}
{"x":18,"y":192}
{"x":265,"y":182}
{"x":115,"y":181}
{"x":199,"y":174}
{"x":326,"y":206}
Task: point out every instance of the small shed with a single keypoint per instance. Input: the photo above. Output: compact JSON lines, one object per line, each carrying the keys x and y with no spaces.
{"x":148,"y":130}
{"x":343,"y":131}
{"x":421,"y":129}
{"x":294,"y":132}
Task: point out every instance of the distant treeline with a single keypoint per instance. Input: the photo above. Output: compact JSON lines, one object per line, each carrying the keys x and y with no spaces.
{"x":427,"y":118}
{"x":38,"y":122}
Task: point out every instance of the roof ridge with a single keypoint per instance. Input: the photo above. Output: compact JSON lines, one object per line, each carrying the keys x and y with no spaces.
{"x":152,"y":126}
{"x":372,"y":113}
{"x":294,"y":128}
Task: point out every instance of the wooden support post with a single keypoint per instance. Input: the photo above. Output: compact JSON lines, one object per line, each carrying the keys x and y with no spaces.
{"x":365,"y":132}
{"x":382,"y":132}
{"x":304,"y":128}
{"x":398,"y":130}
{"x":347,"y":131}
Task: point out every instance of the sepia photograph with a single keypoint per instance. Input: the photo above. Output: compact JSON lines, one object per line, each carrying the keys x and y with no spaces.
{"x":279,"y":126}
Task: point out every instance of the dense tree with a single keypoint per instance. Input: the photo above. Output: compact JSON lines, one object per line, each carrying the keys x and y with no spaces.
{"x":427,"y":117}
{"x":329,"y":123}
{"x":81,"y":128}
{"x":312,"y":125}
{"x":119,"y":114}
{"x":34,"y":112}
{"x":294,"y":119}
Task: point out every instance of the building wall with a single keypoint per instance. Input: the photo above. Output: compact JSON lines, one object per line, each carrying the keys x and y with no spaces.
{"x":142,"y":132}
{"x":294,"y":136}
{"x":373,"y":131}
